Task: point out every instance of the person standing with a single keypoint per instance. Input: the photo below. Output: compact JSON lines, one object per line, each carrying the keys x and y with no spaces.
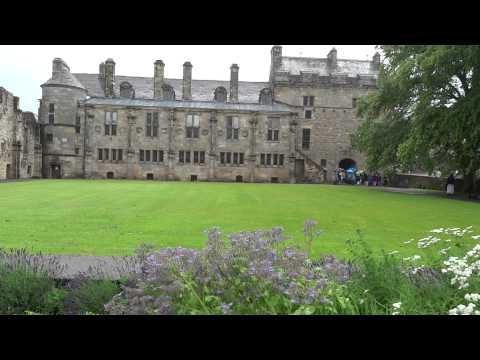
{"x":451,"y":185}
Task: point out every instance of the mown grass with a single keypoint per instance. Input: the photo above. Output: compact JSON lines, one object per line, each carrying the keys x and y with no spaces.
{"x":112,"y":217}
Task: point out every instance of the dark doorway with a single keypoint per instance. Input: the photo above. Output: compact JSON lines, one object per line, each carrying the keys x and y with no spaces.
{"x":8,"y":174}
{"x":274,"y":180}
{"x":239,"y":179}
{"x":110,"y":175}
{"x":150,"y":176}
{"x":56,"y":172}
{"x":347,"y":164}
{"x":299,"y":169}
{"x":193,"y":178}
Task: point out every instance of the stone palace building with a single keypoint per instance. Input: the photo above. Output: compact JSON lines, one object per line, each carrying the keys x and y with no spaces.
{"x":294,"y":128}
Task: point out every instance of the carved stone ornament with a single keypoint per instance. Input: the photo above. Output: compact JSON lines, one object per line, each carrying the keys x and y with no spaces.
{"x":139,"y":130}
{"x":98,"y":129}
{"x":245,"y":133}
{"x":205,"y":132}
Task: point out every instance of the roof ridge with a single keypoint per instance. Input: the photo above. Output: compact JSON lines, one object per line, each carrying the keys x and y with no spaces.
{"x":325,"y":59}
{"x":151,"y":77}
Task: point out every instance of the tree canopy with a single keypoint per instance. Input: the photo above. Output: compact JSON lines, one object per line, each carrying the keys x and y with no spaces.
{"x":426,"y":112}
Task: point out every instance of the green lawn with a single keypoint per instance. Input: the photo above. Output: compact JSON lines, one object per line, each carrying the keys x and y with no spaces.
{"x":112,"y":217}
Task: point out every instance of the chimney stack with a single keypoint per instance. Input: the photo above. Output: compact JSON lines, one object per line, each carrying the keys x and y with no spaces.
{"x":276,"y":60}
{"x":101,"y":73}
{"x":158,"y":80}
{"x":376,"y":61}
{"x":109,"y":77}
{"x":187,"y":81}
{"x":234,"y":83}
{"x":59,"y":66}
{"x":332,"y":59}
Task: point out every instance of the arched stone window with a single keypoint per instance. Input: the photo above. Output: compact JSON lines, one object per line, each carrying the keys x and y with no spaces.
{"x":168,"y":92}
{"x":220,"y":94}
{"x":266,"y":97}
{"x":126,"y":90}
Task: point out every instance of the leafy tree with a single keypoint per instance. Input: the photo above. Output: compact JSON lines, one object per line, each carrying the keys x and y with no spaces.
{"x":426,"y":112}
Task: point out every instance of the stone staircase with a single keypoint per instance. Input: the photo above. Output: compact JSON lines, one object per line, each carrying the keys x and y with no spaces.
{"x":313,"y":170}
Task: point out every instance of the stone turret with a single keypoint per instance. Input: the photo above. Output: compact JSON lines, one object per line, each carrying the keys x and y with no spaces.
{"x":187,"y":81}
{"x":234,"y":83}
{"x":158,"y":79}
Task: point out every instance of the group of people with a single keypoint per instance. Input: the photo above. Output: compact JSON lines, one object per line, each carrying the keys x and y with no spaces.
{"x":354,"y":177}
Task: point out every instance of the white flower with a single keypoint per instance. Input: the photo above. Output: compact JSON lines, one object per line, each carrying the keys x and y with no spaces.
{"x":397,"y":305}
{"x":393,"y":252}
{"x":476,"y":237}
{"x":472,"y":297}
{"x":408,"y":242}
{"x":437,"y":230}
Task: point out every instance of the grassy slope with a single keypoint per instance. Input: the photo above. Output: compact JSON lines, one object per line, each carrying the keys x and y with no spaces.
{"x":112,"y":217}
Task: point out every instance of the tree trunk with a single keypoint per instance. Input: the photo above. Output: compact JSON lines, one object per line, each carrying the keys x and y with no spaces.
{"x":469,"y":184}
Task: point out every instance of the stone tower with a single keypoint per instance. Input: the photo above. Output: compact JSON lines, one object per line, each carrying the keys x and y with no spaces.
{"x":59,"y":119}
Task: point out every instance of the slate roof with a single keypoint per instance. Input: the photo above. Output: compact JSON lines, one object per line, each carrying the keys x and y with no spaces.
{"x":65,"y":78}
{"x":202,"y":90}
{"x":352,"y":68}
{"x":207,"y":105}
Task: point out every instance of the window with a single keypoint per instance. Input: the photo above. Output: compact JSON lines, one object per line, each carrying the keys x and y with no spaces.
{"x":142,"y":155}
{"x":273,"y":129}
{"x":269,"y":159}
{"x":235,"y":158}
{"x":193,"y":178}
{"x":323,"y":162}
{"x":308,"y":114}
{"x":110,"y":123}
{"x":120,"y":154}
{"x":222,"y":158}
{"x":114,"y":154}
{"x":195,"y":157}
{"x":202,"y":157}
{"x":149,"y":176}
{"x":155,"y":125}
{"x":354,"y":103}
{"x":51,"y":113}
{"x":262,"y":159}
{"x":229,"y":157}
{"x":233,"y":128}
{"x":77,"y":124}
{"x":239,"y":179}
{"x":306,"y":139}
{"x":308,"y":100}
{"x":155,"y":156}
{"x":187,"y":157}
{"x":181,"y":157}
{"x":241,"y":159}
{"x":147,"y":155}
{"x":281,"y":159}
{"x":110,"y":175}
{"x":160,"y":156}
{"x":105,"y":154}
{"x":77,"y":151}
{"x":148,"y":125}
{"x":193,"y":126}
{"x":49,"y":138}
{"x":100,"y":154}
{"x":275,"y":159}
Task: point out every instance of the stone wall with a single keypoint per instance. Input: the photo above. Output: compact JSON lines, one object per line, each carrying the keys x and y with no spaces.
{"x":20,"y":151}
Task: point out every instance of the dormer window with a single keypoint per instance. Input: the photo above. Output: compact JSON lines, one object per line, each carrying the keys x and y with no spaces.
{"x":308,"y":114}
{"x":220,"y":94}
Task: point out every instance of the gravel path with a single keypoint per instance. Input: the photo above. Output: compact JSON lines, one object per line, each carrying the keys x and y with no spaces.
{"x":95,"y":266}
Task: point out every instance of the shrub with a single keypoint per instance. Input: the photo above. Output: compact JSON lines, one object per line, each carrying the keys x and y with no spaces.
{"x":91,"y":296}
{"x":252,"y":273}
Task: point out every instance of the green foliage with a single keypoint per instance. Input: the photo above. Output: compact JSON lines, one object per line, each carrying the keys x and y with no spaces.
{"x":24,"y":290}
{"x":426,"y":111}
{"x":92,"y":295}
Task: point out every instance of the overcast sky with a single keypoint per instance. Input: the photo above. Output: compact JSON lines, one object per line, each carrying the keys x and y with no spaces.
{"x":24,"y":68}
